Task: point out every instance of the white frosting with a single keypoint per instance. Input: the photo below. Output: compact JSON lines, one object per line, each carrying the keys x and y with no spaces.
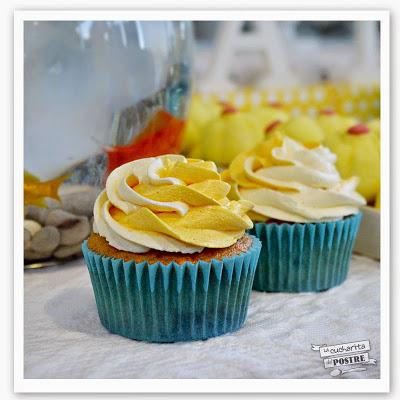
{"x":201,"y":216}
{"x":305,"y":188}
{"x":125,"y":198}
{"x":122,"y":196}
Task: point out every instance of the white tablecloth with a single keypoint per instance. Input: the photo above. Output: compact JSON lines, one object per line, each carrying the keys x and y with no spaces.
{"x":65,"y":339}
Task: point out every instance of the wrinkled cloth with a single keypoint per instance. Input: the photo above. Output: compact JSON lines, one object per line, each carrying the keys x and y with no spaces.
{"x":63,"y":336}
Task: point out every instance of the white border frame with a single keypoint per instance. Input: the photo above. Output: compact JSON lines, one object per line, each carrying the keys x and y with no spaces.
{"x":200,"y":385}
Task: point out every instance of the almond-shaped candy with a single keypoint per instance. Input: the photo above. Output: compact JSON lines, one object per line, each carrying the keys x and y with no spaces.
{"x":34,"y":255}
{"x":57,"y":217}
{"x":79,"y":199}
{"x":74,"y":233}
{"x":27,"y":239}
{"x":38,"y":214}
{"x":68,"y":251}
{"x":46,"y":240}
{"x":32,"y":226}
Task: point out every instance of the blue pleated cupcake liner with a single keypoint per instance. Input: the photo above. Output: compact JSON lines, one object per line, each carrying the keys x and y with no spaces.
{"x":307,"y":257}
{"x":174,"y":302}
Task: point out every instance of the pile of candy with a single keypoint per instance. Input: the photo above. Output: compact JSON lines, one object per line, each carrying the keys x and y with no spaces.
{"x":58,"y":229}
{"x":218,"y":131}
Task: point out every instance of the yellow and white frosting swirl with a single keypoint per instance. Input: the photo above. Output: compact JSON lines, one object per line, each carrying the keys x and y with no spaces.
{"x":169,"y":203}
{"x":289,"y":182}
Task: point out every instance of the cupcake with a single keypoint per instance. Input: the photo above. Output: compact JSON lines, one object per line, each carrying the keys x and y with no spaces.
{"x":308,"y":216}
{"x":170,"y":260}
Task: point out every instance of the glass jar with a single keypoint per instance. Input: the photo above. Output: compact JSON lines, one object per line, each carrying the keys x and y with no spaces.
{"x":101,"y":93}
{"x":97,"y":94}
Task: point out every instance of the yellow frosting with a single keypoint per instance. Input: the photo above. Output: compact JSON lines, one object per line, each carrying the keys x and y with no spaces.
{"x":289,"y":182}
{"x":169,"y":203}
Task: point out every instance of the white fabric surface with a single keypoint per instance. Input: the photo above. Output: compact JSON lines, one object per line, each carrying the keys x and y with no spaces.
{"x":65,"y":339}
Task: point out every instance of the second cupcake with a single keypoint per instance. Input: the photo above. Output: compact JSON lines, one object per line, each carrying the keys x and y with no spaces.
{"x":307,"y":217}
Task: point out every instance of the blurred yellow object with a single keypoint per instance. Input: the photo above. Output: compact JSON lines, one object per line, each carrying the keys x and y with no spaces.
{"x":358,"y":153}
{"x":332,"y":123}
{"x":375,"y":126}
{"x":303,"y":129}
{"x":360,"y":101}
{"x":200,"y":113}
{"x":269,"y":118}
{"x":227,"y":135}
{"x":351,"y":102}
{"x":378,"y":199}
{"x":35,"y":192}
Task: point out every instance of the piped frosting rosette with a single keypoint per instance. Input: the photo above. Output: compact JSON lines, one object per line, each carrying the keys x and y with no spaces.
{"x":288,"y":182}
{"x":169,"y":203}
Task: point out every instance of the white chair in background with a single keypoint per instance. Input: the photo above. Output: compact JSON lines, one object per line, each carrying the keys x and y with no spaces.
{"x":367,"y":47}
{"x":268,"y":38}
{"x":264,"y":38}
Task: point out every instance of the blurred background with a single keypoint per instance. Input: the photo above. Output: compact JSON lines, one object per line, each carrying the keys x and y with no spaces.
{"x":98,"y":94}
{"x":315,"y":51}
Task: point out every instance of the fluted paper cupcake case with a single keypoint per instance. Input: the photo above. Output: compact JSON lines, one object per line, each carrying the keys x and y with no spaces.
{"x":304,"y":257}
{"x":169,"y":303}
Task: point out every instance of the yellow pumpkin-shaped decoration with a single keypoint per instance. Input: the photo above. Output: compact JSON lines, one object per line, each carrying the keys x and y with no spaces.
{"x":224,"y":137}
{"x":332,"y":123}
{"x":378,"y":200}
{"x":375,"y":126}
{"x":357,"y":150}
{"x":200,"y":113}
{"x":270,"y":117}
{"x":303,"y":129}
